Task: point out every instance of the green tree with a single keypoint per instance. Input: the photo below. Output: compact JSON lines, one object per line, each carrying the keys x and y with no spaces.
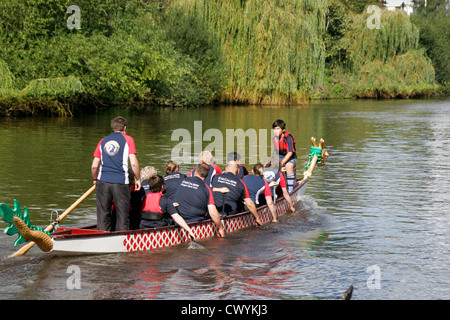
{"x":433,"y":21}
{"x":359,"y":6}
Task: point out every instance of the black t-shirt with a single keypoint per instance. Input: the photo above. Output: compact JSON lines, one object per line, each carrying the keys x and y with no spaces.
{"x":258,"y":189}
{"x":172,"y":181}
{"x":193,"y":197}
{"x":233,"y":199}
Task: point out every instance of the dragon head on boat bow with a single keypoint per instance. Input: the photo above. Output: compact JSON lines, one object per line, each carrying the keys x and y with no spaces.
{"x":317,"y":156}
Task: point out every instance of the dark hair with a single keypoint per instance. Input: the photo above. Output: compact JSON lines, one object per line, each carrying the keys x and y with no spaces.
{"x":279,"y":123}
{"x":156,"y":183}
{"x":118,"y":124}
{"x":171,"y":167}
{"x":202,"y":170}
{"x":258,"y":169}
{"x":233,"y":156}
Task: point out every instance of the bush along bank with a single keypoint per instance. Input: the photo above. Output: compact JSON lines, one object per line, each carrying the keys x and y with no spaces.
{"x":385,"y":62}
{"x":198,"y":52}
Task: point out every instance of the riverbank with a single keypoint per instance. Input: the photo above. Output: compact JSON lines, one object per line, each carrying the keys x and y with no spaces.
{"x":194,"y":53}
{"x":48,"y":107}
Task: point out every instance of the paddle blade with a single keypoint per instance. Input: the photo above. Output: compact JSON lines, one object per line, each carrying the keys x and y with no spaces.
{"x":194,"y":245}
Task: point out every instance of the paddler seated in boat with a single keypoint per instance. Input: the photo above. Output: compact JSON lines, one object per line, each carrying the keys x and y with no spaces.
{"x":157,"y":209}
{"x":284,"y":144}
{"x":137,"y":197}
{"x":234,"y":157}
{"x":275,"y":178}
{"x":231,"y":193}
{"x":195,"y":200}
{"x":259,"y":189}
{"x":146,"y":173}
{"x":172,"y":178}
{"x":207,"y":157}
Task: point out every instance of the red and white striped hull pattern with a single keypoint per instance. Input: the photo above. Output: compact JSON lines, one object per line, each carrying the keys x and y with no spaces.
{"x":91,"y":241}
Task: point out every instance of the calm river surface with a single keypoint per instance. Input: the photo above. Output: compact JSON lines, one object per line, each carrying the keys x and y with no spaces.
{"x":377,"y":211}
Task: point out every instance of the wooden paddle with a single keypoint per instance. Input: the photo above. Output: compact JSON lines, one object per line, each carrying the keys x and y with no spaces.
{"x":50,"y":227}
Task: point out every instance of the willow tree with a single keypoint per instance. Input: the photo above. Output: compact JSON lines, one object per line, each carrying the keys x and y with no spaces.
{"x":273,"y":50}
{"x":395,"y":35}
{"x":6,"y":77}
{"x":385,"y":59}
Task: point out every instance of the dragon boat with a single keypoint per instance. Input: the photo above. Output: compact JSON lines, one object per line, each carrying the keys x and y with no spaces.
{"x":88,"y":240}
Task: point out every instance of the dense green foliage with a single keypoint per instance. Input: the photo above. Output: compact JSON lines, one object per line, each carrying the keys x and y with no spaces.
{"x":384,"y":62}
{"x":120,"y":55}
{"x":358,"y":6}
{"x":196,"y":52}
{"x":273,"y":49}
{"x":434,"y":23}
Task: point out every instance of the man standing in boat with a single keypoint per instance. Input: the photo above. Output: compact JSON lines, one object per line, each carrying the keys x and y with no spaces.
{"x":194,"y":199}
{"x":110,"y":173}
{"x":284,"y":145}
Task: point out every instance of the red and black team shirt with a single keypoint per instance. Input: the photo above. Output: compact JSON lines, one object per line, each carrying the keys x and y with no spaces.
{"x":172,"y":181}
{"x":113,"y":151}
{"x":193,"y":197}
{"x":233,"y":199}
{"x":284,"y":144}
{"x":258,"y":189}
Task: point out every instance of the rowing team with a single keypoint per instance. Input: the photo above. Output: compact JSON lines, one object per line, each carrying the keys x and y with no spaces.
{"x":198,"y":196}
{"x":205,"y":193}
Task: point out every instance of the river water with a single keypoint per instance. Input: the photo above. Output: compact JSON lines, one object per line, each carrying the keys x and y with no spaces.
{"x":375,"y":216}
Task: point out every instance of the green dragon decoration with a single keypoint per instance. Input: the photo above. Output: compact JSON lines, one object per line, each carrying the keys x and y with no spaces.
{"x":7,"y":215}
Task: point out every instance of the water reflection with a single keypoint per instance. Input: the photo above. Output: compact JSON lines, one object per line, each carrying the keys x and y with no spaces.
{"x":380,"y":200}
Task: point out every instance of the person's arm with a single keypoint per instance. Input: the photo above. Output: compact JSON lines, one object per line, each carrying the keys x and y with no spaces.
{"x":172,"y":208}
{"x":252,"y":208}
{"x":221,"y":190}
{"x":95,"y":168}
{"x":136,"y":171}
{"x":269,"y":201}
{"x":214,"y":214}
{"x":288,"y":198}
{"x":182,"y":223}
{"x":288,"y":155}
{"x":286,"y":158}
{"x":271,"y":208}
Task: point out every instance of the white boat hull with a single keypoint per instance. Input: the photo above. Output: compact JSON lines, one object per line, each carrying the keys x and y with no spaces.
{"x":147,"y":239}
